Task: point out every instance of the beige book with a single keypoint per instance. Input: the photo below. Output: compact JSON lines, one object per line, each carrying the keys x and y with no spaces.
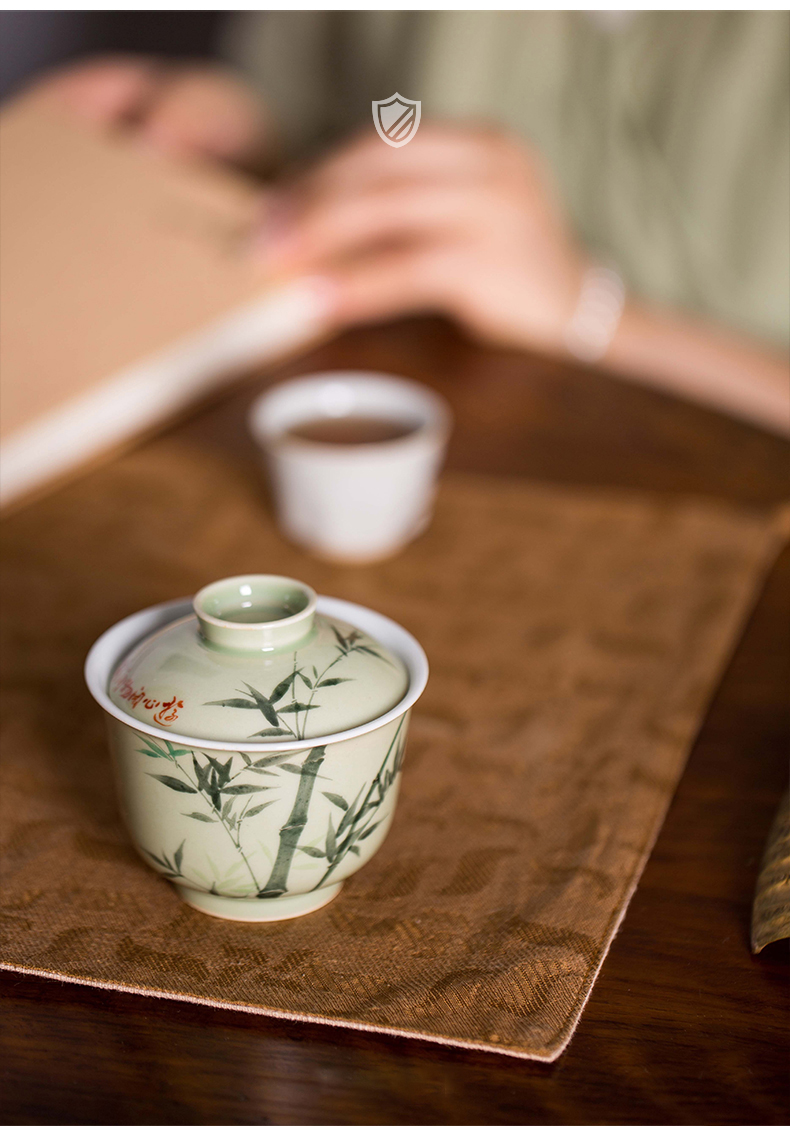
{"x":126,"y":289}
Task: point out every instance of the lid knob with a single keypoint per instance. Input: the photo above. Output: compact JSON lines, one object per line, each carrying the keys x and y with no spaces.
{"x":263,"y":613}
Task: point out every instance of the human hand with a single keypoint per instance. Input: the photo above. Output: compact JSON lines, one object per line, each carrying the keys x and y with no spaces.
{"x":460,"y":221}
{"x":180,"y":109}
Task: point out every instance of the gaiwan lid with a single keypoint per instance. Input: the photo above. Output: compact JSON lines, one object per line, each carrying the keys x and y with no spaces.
{"x":255,"y":662}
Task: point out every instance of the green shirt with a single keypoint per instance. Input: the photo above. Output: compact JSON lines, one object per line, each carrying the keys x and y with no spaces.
{"x":668,"y":133}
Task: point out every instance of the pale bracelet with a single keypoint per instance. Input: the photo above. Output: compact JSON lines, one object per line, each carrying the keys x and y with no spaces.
{"x":591,"y":329}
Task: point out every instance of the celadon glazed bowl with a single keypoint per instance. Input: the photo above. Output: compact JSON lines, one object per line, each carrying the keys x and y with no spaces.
{"x":257,"y":736}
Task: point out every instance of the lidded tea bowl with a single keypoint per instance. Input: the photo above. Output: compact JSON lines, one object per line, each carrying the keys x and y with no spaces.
{"x":257,"y":737}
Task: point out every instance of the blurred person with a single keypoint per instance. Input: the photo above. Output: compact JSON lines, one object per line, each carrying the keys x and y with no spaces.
{"x":654,"y":142}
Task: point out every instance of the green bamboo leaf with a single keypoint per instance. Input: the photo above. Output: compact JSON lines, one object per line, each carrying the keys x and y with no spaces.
{"x":262,"y":770}
{"x":200,"y":817}
{"x":155,"y":750}
{"x":283,"y":687}
{"x":393,"y":776}
{"x":244,"y":788}
{"x":371,"y":652}
{"x":143,"y":751}
{"x":163,"y":863}
{"x":336,"y":799}
{"x":340,"y":639}
{"x":364,"y":810}
{"x":369,"y":830}
{"x":171,"y":750}
{"x":203,"y":775}
{"x":276,"y":758}
{"x":246,"y":758}
{"x":348,"y":816}
{"x":239,"y":702}
{"x":315,"y":672}
{"x":178,"y":856}
{"x":355,"y":850}
{"x":270,"y":731}
{"x":264,"y":705}
{"x":223,"y":772}
{"x":312,"y":851}
{"x":306,"y":679}
{"x":298,"y":708}
{"x":230,"y":820}
{"x":332,"y":681}
{"x":331,"y":842}
{"x":291,"y":767}
{"x":257,"y":809}
{"x":174,"y":783}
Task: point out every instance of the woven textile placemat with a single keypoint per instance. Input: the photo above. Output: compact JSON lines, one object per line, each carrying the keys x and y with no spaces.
{"x":575,"y":638}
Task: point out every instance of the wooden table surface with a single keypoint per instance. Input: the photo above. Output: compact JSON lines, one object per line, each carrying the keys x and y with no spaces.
{"x":684,"y":1024}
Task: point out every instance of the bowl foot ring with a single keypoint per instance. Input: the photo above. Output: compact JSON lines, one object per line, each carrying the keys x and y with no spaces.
{"x":259,"y":910}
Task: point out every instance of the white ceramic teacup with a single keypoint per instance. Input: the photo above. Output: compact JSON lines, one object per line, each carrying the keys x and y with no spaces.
{"x":352,"y":503}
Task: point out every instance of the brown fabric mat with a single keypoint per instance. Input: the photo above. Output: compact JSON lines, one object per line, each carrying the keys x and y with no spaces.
{"x":575,"y":637}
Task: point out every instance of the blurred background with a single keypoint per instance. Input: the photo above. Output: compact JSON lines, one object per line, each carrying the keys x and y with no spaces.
{"x":33,"y":41}
{"x":603,"y":186}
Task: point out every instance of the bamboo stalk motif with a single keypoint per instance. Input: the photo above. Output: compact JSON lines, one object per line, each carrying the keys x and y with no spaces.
{"x":291,"y":831}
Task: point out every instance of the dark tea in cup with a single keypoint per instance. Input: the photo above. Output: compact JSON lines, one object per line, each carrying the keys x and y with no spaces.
{"x":351,"y":430}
